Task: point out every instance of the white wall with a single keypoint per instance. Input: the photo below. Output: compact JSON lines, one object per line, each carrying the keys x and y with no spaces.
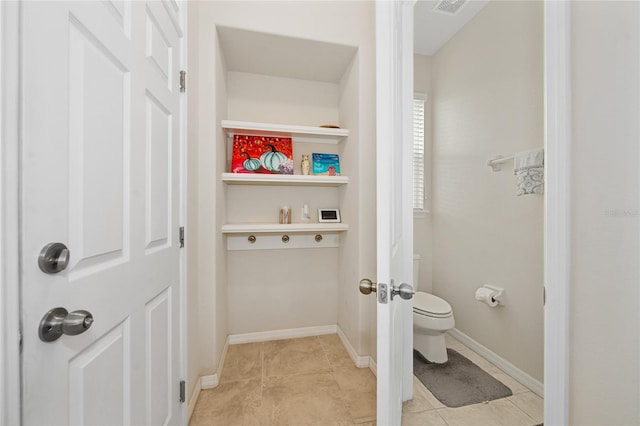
{"x":605,"y":353}
{"x":207,"y":302}
{"x":347,"y":23}
{"x":267,"y":99}
{"x":194,"y":364}
{"x":488,"y":100}
{"x":354,"y":253}
{"x":282,"y":289}
{"x":422,"y":224}
{"x":208,"y":179}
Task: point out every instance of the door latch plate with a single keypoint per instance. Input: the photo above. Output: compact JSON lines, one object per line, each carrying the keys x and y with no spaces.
{"x":382,"y":293}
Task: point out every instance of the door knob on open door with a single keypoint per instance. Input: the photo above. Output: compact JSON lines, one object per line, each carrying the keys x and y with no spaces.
{"x":59,"y":321}
{"x":367,"y":286}
{"x":405,"y":291}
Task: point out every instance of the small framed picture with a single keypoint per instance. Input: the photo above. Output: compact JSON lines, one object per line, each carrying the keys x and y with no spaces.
{"x":328,"y":215}
{"x":326,"y":164}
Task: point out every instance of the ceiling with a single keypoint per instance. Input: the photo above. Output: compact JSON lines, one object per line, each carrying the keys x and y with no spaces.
{"x":270,"y":54}
{"x":432,"y":29}
{"x":288,"y":57}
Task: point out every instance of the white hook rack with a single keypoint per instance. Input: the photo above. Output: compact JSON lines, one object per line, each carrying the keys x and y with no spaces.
{"x":282,"y":241}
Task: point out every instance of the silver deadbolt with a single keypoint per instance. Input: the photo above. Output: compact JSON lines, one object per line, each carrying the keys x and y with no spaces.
{"x":59,"y":321}
{"x":54,"y":257}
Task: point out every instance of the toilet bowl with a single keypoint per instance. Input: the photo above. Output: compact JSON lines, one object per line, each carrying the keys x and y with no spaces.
{"x":432,"y":318}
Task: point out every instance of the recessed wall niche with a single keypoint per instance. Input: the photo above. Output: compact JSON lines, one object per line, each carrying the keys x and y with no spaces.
{"x":270,"y":85}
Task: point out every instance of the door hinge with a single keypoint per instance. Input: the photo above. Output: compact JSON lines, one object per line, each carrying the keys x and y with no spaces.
{"x":183,"y":81}
{"x":182,"y":391}
{"x":181,"y":236}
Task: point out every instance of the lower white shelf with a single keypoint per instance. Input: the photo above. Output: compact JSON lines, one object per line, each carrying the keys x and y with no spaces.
{"x":276,"y":236}
{"x":256,"y":228}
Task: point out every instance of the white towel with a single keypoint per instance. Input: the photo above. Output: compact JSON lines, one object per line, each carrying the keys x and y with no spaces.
{"x":528,"y":166}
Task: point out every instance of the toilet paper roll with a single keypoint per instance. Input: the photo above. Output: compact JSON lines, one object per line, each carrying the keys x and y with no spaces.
{"x":486,"y":295}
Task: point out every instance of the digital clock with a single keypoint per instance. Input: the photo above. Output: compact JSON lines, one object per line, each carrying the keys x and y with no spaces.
{"x":328,"y":215}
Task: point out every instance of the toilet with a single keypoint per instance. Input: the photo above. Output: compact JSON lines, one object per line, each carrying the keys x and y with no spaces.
{"x":432,"y":318}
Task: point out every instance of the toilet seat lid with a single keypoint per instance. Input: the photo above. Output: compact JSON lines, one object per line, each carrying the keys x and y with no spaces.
{"x":428,"y":304}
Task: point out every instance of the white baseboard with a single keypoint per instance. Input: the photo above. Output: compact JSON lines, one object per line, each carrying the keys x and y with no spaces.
{"x":209,"y":382}
{"x":373,"y":366}
{"x":525,"y":379}
{"x":204,"y":382}
{"x":223,"y":356}
{"x":291,"y":333}
{"x":359,"y":361}
{"x":193,"y":399}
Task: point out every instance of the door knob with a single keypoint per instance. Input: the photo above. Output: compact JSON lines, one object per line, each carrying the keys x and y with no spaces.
{"x":54,"y":257}
{"x":405,"y":291}
{"x":367,"y":286}
{"x":59,"y":321}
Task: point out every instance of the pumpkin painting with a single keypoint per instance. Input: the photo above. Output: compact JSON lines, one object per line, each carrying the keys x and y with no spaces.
{"x":271,"y":160}
{"x":251,"y":164}
{"x":261,"y":154}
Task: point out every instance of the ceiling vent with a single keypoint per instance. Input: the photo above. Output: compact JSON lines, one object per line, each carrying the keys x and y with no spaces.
{"x":449,"y":7}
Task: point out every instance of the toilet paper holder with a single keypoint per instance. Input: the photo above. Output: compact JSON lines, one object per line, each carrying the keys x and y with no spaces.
{"x":497,"y":294}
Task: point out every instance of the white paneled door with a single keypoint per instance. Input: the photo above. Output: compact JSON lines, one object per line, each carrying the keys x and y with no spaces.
{"x":101,"y":174}
{"x":394,"y":67}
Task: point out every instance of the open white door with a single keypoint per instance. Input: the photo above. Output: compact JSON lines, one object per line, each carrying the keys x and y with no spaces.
{"x":101,"y":174}
{"x":394,"y":51}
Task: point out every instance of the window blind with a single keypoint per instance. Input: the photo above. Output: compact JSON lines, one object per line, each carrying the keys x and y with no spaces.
{"x":418,"y":152}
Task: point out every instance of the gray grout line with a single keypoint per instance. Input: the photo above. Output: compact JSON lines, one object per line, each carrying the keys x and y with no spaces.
{"x":437,"y":410}
{"x":261,"y":372}
{"x":533,"y":422}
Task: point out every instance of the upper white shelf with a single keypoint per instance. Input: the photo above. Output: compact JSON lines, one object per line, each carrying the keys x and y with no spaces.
{"x":308,"y":134}
{"x":285,"y":180}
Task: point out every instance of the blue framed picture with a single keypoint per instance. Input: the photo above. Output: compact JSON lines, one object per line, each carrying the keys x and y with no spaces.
{"x":326,"y":164}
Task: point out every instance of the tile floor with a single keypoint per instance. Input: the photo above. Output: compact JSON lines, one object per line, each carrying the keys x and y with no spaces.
{"x":522,"y":408}
{"x":312,"y":381}
{"x":306,"y":381}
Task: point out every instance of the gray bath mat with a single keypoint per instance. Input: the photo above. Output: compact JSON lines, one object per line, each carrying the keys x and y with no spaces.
{"x":458,"y":382}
